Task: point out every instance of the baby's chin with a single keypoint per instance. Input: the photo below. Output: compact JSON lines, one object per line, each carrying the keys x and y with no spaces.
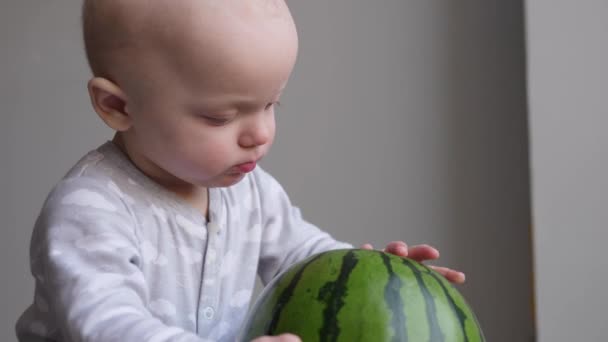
{"x":232,"y":179}
{"x":223,"y":181}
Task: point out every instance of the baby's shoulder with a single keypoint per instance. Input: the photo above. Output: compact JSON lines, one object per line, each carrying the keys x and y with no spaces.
{"x":84,"y":191}
{"x":93,"y":179}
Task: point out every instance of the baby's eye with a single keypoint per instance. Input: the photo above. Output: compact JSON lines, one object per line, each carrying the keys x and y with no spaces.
{"x":216,"y":121}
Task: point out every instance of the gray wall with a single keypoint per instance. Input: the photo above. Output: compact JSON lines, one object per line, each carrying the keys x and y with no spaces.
{"x":568,"y":88}
{"x":46,"y":125}
{"x":403,"y":120}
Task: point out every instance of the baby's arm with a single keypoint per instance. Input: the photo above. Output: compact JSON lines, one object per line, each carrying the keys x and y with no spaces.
{"x":85,"y":258}
{"x":286,"y":237}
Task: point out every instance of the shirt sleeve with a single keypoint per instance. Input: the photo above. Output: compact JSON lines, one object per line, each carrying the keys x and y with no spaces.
{"x":85,"y":257}
{"x":286,"y":237}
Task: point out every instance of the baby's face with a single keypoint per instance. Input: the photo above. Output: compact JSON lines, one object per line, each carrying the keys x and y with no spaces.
{"x":204,"y":104}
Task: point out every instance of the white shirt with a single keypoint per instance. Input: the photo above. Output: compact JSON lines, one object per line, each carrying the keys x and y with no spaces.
{"x":116,"y":257}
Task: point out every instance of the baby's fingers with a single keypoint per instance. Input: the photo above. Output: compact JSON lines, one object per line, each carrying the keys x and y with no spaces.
{"x":367,"y":246}
{"x":421,"y":253}
{"x":280,"y":338}
{"x":398,"y":248}
{"x":452,"y":276}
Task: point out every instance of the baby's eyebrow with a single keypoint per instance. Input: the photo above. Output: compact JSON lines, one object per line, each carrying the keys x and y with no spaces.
{"x":228,"y":100}
{"x":247,"y":102}
{"x":224,"y":106}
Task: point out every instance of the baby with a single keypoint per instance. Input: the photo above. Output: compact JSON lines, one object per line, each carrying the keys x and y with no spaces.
{"x":159,"y":234}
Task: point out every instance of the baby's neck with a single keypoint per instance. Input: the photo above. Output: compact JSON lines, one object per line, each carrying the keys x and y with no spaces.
{"x":196,"y":196}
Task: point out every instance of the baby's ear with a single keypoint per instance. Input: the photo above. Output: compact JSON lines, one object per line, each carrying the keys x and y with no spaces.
{"x":110,"y":103}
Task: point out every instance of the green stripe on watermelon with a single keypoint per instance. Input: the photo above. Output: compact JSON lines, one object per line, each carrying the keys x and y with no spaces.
{"x":281,"y":290}
{"x":377,"y":313}
{"x":416,"y":309}
{"x":436,"y":333}
{"x":308,"y":303}
{"x":333,"y":293}
{"x":467,"y":319}
{"x":392,"y":295}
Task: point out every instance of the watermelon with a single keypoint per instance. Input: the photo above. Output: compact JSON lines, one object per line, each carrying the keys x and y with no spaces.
{"x":354,"y":295}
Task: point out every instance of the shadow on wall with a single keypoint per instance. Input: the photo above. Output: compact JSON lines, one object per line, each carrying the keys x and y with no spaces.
{"x":487,"y":167}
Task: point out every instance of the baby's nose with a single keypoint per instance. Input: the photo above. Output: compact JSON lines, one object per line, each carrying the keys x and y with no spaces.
{"x":257,"y":132}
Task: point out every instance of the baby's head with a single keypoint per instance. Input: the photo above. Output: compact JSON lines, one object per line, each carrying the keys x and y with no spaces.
{"x":190,"y":86}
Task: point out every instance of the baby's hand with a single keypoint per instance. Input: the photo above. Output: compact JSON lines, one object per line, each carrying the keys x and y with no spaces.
{"x":280,"y":338}
{"x":421,"y":253}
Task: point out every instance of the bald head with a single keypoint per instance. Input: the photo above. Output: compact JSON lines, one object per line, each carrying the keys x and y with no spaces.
{"x":119,"y":32}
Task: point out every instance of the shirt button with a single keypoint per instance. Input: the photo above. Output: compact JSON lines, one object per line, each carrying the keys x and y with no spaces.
{"x":208,"y":312}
